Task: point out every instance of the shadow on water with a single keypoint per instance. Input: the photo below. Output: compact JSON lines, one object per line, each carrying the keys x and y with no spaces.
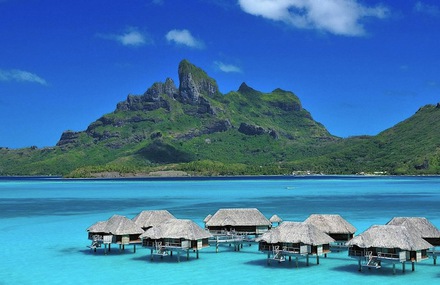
{"x":385,"y":271}
{"x":146,"y":258}
{"x":275,"y":265}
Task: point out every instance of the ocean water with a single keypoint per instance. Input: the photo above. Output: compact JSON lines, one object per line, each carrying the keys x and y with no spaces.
{"x":43,"y":228}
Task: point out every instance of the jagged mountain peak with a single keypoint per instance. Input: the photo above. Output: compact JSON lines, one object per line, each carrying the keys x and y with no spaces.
{"x":195,"y":83}
{"x":246,"y":90}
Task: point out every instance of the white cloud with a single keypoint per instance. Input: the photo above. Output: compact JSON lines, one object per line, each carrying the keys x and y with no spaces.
{"x":339,"y":17}
{"x":131,"y":37}
{"x":21,"y":76}
{"x":184,"y":37}
{"x":427,"y":9}
{"x":227,"y":67}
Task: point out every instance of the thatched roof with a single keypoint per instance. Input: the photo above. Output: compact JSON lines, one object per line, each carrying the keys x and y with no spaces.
{"x":334,"y":224}
{"x":389,"y":236}
{"x":98,"y":227}
{"x":238,"y":217}
{"x":116,"y":225}
{"x":275,"y":219}
{"x":146,"y":219}
{"x":208,"y":217}
{"x":417,"y":225}
{"x":176,"y":229}
{"x":296,"y":232}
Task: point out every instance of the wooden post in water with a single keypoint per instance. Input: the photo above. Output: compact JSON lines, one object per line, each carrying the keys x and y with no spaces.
{"x":403,"y":267}
{"x":360,"y":266}
{"x":307,"y":260}
{"x":394,"y":268}
{"x":296,"y":262}
{"x":197,"y":253}
{"x":134,"y":248}
{"x":151,"y":256}
{"x":413,"y":266}
{"x":317,"y":259}
{"x":187,"y":254}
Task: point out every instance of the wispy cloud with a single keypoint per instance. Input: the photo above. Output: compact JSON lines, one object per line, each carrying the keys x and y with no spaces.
{"x":339,"y":17}
{"x":131,"y":37}
{"x":427,"y":9}
{"x":227,"y":67}
{"x":184,"y":37}
{"x":21,"y":76}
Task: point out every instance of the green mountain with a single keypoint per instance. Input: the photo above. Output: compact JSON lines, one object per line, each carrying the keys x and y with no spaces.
{"x":193,"y":128}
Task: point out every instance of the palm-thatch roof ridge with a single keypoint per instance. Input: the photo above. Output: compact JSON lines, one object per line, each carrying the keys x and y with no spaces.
{"x":389,"y":236}
{"x":296,"y":232}
{"x":275,"y":219}
{"x":419,"y":225}
{"x":177,"y":229}
{"x":151,"y":218}
{"x":238,"y":217}
{"x":116,"y":225}
{"x":331,"y":223}
{"x":207,"y":218}
{"x":98,"y":227}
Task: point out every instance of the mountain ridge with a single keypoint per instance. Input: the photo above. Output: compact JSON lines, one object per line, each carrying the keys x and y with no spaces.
{"x":193,"y":128}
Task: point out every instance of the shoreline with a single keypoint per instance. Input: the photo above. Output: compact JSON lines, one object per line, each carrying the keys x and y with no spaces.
{"x":227,"y":177}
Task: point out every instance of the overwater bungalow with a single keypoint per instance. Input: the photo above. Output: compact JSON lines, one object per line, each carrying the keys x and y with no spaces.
{"x":175,"y":235}
{"x":117,"y":230}
{"x":151,"y":218}
{"x":387,"y":243}
{"x":275,"y":220}
{"x":424,"y":228}
{"x":335,"y":226}
{"x":419,"y":225}
{"x":237,"y":225}
{"x":245,"y":221}
{"x":297,"y":239}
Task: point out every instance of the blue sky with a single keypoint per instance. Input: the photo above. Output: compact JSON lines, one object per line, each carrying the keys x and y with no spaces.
{"x":359,"y":67}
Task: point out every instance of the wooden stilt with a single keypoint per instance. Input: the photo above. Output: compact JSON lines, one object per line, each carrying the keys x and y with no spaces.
{"x":403,"y":267}
{"x":296,"y":262}
{"x":317,"y":259}
{"x":435,"y":258}
{"x":307,"y":260}
{"x":360,"y":266}
{"x":171,"y":253}
{"x":197,"y":254}
{"x":290,"y":258}
{"x":134,"y":248}
{"x":187,"y":254}
{"x":394,"y":268}
{"x":178,"y":256}
{"x":109,"y":247}
{"x":151,"y":257}
{"x":105,"y":248}
{"x":413,"y":266}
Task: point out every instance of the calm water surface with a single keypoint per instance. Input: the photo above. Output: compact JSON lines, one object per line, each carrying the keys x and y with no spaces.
{"x":43,"y":228}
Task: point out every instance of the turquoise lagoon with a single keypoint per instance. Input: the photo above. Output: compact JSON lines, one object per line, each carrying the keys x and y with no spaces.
{"x":43,"y":228}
